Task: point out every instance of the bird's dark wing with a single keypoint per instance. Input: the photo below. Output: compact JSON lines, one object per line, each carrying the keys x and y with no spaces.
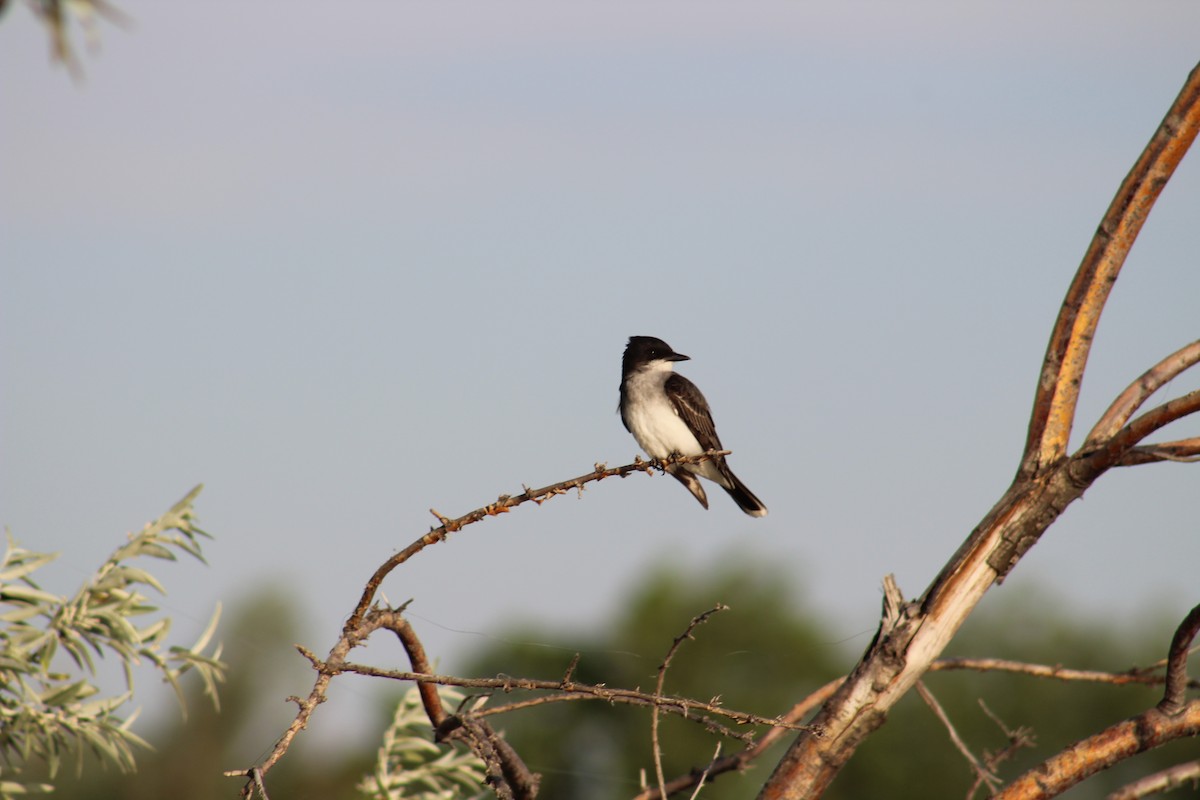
{"x":693,"y":409}
{"x":621,"y":407}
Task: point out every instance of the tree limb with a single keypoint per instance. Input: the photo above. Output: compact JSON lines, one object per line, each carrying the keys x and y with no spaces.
{"x":1070,"y":342}
{"x":358,"y":626}
{"x":1177,"y":677}
{"x":1046,"y":483}
{"x":1085,"y":758}
{"x":658,"y":688}
{"x":1164,"y":781}
{"x":503,"y":504}
{"x":1130,"y":400}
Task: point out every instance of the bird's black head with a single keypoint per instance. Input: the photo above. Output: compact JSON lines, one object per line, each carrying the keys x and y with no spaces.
{"x":642,"y":350}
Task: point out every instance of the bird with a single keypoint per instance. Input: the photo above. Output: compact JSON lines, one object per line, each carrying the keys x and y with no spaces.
{"x":668,"y":416}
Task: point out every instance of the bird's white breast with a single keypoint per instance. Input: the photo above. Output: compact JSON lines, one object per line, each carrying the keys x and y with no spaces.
{"x":652,"y":418}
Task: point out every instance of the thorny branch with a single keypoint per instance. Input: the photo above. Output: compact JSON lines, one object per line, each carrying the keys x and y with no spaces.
{"x":503,"y":505}
{"x":360,"y":624}
{"x":658,"y":687}
{"x":1017,"y":739}
{"x":683,"y":706}
{"x":982,"y":773}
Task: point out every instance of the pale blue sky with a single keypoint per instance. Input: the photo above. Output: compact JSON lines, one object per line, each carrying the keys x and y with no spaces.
{"x":346,"y":262}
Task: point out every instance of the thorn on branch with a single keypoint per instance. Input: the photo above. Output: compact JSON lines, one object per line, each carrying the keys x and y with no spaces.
{"x":566,"y":679}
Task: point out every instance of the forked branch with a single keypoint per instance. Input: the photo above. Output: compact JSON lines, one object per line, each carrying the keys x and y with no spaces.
{"x":1046,"y":482}
{"x":1136,"y":394}
{"x":1071,"y":340}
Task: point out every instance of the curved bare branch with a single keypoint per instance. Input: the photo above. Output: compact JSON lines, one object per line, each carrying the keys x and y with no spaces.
{"x":1177,"y":657}
{"x":1088,"y":466}
{"x":1185,"y":450}
{"x":1070,"y":342}
{"x":1130,"y":400}
{"x":1046,"y":483}
{"x":503,"y":504}
{"x":1171,"y":778}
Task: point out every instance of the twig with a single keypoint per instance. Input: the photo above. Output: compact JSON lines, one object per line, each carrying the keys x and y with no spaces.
{"x":503,"y":505}
{"x":1182,"y":450}
{"x":739,"y":760}
{"x":982,"y":774}
{"x":507,"y":773}
{"x":704,"y":775}
{"x":1130,"y":400}
{"x":1090,"y":465}
{"x":682,"y":706}
{"x":257,"y":777}
{"x":1017,"y":739}
{"x":1177,"y":657}
{"x":658,"y":688}
{"x":1171,"y":778}
{"x":1133,"y":676}
{"x":354,"y":632}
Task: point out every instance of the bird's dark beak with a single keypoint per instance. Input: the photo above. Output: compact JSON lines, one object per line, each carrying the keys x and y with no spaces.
{"x":679,"y":357}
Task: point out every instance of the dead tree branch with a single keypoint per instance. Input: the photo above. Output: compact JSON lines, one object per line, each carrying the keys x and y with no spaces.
{"x":1137,"y":675}
{"x":1085,"y":758}
{"x":1070,"y":342}
{"x":738,"y":761}
{"x":360,"y":624}
{"x":696,"y":622}
{"x":683,"y":706}
{"x":1136,"y":394}
{"x":1017,"y":738}
{"x":1177,"y":679}
{"x":503,"y":505}
{"x":982,"y":774}
{"x":1171,"y":719}
{"x":912,"y":637}
{"x":1173,"y":778}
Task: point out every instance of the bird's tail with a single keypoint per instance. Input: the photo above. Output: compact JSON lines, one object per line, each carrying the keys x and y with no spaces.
{"x":692,"y":483}
{"x":743,"y":496}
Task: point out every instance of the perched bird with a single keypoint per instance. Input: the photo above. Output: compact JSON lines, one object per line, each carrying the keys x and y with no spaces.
{"x":669,"y":416}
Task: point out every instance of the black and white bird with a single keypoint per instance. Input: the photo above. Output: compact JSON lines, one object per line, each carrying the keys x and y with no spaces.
{"x":669,"y":416}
